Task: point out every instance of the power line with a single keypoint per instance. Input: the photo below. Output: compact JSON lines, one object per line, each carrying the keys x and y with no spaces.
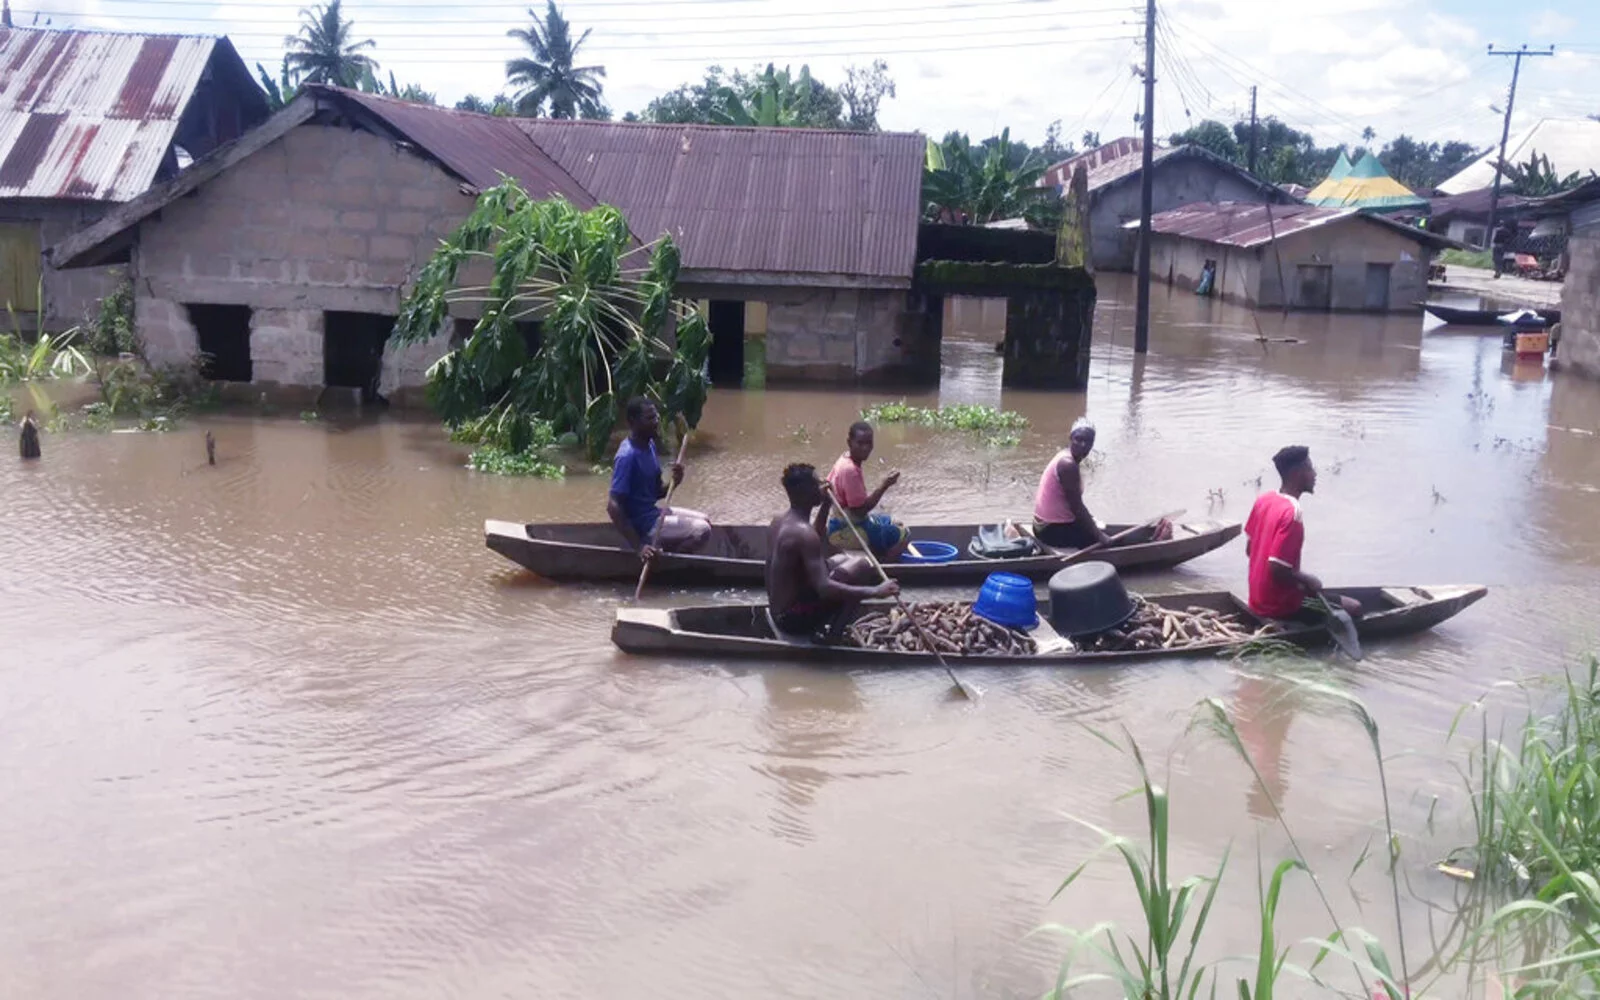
{"x":291,"y":14}
{"x":770,"y":55}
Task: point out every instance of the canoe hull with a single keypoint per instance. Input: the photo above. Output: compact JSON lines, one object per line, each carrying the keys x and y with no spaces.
{"x":739,"y":631}
{"x":737,"y":554}
{"x":1482,"y":317}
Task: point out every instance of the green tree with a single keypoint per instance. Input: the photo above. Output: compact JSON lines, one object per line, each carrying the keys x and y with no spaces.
{"x":1214,"y":137}
{"x":986,"y":183}
{"x":280,"y":92}
{"x":499,"y":104}
{"x":1537,"y":178}
{"x":324,"y":52}
{"x":370,"y":84}
{"x":862,"y":92}
{"x":603,"y":305}
{"x":547,"y":74}
{"x":765,"y":96}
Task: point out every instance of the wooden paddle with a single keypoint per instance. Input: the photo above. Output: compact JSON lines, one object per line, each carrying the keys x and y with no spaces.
{"x":1342,"y":627}
{"x":961,"y":688}
{"x":655,"y":532}
{"x":1119,"y":536}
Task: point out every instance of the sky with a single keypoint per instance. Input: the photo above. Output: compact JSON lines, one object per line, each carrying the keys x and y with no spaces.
{"x":1418,"y":67}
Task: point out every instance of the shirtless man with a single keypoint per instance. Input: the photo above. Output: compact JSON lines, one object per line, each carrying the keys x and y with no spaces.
{"x":807,"y":592}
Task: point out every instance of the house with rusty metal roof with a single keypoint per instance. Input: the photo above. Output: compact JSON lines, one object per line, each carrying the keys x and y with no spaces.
{"x":91,"y":119}
{"x":284,"y":256}
{"x":1182,"y":175}
{"x":1318,"y":258}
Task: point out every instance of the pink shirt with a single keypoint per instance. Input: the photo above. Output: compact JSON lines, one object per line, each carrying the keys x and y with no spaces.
{"x":849,"y":485}
{"x":1050,"y":503}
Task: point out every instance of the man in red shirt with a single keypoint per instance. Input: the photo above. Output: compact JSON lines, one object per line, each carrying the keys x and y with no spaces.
{"x":1278,"y":587}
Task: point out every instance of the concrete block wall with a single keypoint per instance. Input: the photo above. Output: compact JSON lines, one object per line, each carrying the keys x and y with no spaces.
{"x":169,"y":339}
{"x":832,"y":333}
{"x":1176,"y":184}
{"x":326,"y":218}
{"x":1579,"y":350}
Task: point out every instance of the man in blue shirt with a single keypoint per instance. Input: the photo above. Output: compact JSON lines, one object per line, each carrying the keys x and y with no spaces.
{"x":636,"y":486}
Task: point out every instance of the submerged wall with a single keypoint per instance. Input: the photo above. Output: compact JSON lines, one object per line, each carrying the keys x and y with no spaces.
{"x":324,"y":219}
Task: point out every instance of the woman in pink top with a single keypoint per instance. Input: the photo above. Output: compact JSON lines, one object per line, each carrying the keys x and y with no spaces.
{"x":1060,"y":518}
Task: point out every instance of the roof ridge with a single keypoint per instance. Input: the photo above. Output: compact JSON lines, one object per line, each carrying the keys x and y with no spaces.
{"x":112,"y":34}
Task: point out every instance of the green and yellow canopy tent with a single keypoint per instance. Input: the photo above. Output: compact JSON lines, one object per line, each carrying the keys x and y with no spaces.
{"x":1364,"y":185}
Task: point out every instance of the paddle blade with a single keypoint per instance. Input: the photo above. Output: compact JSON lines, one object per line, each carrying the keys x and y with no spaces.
{"x":1343,"y":629}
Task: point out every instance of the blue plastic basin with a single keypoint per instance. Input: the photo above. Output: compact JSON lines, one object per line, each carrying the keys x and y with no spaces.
{"x":930,"y":552}
{"x":1007,"y":599}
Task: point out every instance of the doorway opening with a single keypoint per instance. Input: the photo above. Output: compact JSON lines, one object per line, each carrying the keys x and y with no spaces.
{"x":1313,"y":286}
{"x":352,"y":350}
{"x":725,"y":361}
{"x":1377,"y":288}
{"x":224,"y":335}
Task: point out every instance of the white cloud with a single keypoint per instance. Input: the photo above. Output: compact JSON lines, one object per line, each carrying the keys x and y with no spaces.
{"x":1330,"y":67}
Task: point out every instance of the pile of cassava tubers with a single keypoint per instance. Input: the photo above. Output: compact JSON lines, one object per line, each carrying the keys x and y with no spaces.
{"x":1155,"y":627}
{"x":952,"y":626}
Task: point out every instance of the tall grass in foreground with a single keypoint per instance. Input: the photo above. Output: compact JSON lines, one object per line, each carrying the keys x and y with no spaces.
{"x":1536,"y":807}
{"x":1531,"y":911}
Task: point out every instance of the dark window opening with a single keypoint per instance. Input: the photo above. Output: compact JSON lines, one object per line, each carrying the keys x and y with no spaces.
{"x":224,"y":335}
{"x":461,"y":332}
{"x":352,"y":350}
{"x":725,"y":360}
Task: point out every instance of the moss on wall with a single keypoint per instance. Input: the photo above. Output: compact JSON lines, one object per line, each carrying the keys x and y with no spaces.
{"x":975,"y":277}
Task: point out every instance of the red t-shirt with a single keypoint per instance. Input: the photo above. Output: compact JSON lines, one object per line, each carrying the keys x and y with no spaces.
{"x":1276,"y":535}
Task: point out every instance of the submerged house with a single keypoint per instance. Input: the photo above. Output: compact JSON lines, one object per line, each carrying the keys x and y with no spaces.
{"x":1339,"y":259}
{"x":89,"y":120}
{"x":1577,"y":212}
{"x":1182,"y":175}
{"x":284,"y":257}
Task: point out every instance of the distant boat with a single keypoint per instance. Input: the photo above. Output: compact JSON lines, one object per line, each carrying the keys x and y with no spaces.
{"x":1481,"y":317}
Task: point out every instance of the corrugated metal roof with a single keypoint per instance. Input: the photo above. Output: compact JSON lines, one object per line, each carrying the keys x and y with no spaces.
{"x":1572,"y":144}
{"x":477,"y":148}
{"x":90,"y":115}
{"x":799,"y":201}
{"x":1248,"y":225}
{"x":1241,"y":224}
{"x":1060,"y":174}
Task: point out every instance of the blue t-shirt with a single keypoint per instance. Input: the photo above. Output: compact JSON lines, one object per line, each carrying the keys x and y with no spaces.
{"x":636,"y":483}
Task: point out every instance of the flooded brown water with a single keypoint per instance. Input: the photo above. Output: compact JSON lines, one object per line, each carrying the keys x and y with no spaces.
{"x":284,"y":727}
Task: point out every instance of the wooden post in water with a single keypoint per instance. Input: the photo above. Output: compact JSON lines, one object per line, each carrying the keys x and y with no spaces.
{"x":211,"y":449}
{"x":30,"y":437}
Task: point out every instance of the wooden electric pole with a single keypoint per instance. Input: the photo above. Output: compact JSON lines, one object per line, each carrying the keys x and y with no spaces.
{"x":1250,"y":157}
{"x":1505,"y":132}
{"x":1141,"y":312}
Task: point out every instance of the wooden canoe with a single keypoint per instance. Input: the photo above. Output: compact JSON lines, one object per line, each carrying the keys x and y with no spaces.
{"x":742,"y":630}
{"x":1482,"y":317}
{"x":738,"y":554}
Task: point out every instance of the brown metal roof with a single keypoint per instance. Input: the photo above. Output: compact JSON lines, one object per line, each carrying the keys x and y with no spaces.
{"x":766,"y":200}
{"x":1247,"y":224}
{"x":1060,"y":174}
{"x":90,"y":115}
{"x":477,"y":148}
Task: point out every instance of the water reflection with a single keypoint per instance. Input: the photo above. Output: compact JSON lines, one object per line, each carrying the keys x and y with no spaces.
{"x":811,"y":718}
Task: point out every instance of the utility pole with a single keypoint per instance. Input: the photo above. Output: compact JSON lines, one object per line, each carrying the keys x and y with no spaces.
{"x":1250,"y":158}
{"x":1505,"y":132}
{"x":1141,"y":312}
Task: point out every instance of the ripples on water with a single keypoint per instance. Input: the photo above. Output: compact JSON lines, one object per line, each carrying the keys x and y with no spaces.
{"x":284,"y":727}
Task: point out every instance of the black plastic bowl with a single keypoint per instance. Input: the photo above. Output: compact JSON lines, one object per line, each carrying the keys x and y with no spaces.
{"x":1087,"y":599}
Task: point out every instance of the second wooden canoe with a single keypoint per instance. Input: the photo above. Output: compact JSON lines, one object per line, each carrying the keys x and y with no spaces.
{"x":737,"y":554}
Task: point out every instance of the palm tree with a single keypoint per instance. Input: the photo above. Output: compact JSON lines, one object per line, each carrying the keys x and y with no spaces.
{"x":323,"y":53}
{"x":547,"y":73}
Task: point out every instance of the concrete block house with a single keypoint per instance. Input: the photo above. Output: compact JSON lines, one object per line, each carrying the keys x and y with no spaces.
{"x":284,"y":257}
{"x":90,"y":120}
{"x":1332,"y":259}
{"x":1181,"y":175}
